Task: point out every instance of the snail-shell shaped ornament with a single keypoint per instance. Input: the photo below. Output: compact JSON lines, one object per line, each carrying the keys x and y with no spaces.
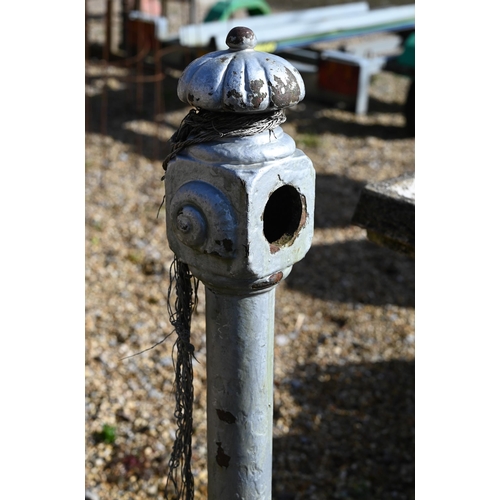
{"x":240,"y":79}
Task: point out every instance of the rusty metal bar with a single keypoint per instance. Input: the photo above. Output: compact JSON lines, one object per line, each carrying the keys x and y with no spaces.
{"x":157,"y":96}
{"x":108,"y":34}
{"x":87,"y":51}
{"x":140,"y":67}
{"x":87,"y":56}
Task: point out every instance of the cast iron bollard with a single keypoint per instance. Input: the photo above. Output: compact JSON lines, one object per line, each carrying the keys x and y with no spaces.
{"x":240,"y":214}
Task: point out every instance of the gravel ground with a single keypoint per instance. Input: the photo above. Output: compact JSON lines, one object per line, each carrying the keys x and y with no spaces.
{"x":345,"y":318}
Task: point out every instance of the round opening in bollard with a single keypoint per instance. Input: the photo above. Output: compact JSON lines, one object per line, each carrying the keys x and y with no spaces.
{"x":282,"y":215}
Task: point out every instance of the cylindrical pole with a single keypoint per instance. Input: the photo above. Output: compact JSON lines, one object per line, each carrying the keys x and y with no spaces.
{"x":240,"y":336}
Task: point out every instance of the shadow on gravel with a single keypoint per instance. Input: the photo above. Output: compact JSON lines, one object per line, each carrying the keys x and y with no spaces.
{"x":356,"y":436}
{"x":319,"y":125}
{"x":336,"y":200}
{"x":357,"y":272}
{"x":377,"y":106}
{"x":120,"y":107}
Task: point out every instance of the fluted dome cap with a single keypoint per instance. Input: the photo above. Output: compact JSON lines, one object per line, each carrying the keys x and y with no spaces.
{"x":241,"y":79}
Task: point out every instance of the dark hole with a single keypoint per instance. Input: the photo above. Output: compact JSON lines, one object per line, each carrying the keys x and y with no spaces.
{"x":282,"y":215}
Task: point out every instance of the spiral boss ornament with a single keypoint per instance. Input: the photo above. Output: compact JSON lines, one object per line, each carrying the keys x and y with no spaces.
{"x":239,"y":202}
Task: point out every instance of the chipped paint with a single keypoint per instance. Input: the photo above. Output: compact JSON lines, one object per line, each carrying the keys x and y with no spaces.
{"x":272,"y":280}
{"x":226,"y":416}
{"x":257,"y":95}
{"x":235,"y":71}
{"x":221,"y":458}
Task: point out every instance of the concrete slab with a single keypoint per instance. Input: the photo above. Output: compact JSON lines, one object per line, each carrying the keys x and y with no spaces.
{"x":387,"y":211}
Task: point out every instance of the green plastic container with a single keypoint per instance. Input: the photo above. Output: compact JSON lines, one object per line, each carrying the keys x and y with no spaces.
{"x":407,"y":58}
{"x":222,"y":11}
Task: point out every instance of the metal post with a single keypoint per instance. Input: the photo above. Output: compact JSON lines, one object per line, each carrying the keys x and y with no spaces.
{"x":240,"y":213}
{"x":240,"y":336}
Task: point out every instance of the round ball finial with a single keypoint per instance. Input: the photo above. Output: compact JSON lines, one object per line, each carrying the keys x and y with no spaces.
{"x":241,"y":38}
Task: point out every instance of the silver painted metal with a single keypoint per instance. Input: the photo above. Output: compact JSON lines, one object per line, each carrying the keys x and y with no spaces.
{"x":258,"y":220}
{"x":240,"y":213}
{"x":241,"y":79}
{"x":240,"y":336}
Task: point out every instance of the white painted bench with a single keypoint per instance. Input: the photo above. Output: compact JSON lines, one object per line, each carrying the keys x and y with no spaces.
{"x":303,"y":27}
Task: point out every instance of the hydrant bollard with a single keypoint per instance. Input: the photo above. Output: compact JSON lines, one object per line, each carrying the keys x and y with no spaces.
{"x":240,"y":212}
